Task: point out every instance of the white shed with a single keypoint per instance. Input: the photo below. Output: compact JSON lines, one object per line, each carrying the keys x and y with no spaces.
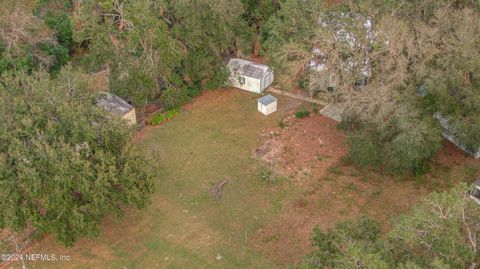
{"x":267,"y":104}
{"x":249,"y":76}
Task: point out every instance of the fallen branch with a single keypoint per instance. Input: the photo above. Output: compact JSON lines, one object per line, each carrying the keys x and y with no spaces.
{"x":216,"y":190}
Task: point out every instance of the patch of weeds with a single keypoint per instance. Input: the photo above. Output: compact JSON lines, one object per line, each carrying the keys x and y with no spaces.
{"x":271,"y":238}
{"x":282,"y":124}
{"x":344,"y":212}
{"x":279,"y":180}
{"x":311,"y":191}
{"x":471,"y":171}
{"x":376,"y":193}
{"x":303,"y":113}
{"x":364,"y":178}
{"x":301,"y":202}
{"x":315,"y":109}
{"x":352,"y":187}
{"x":355,"y":173}
{"x":336,"y":170}
{"x":404,"y":178}
{"x":446,"y":169}
{"x":420,"y":179}
{"x":267,"y":174}
{"x":164,"y":116}
{"x":288,"y":150}
{"x":435,"y":185}
{"x":152,"y":245}
{"x":345,"y":160}
{"x":277,"y":205}
{"x":328,"y":178}
{"x":322,"y":157}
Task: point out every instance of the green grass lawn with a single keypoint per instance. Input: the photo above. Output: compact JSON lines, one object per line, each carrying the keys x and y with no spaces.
{"x":184,"y":227}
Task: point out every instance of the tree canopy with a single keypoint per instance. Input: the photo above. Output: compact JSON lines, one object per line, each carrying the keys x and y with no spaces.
{"x":153,"y":46}
{"x":441,"y":232}
{"x":393,"y":64}
{"x":64,"y":163}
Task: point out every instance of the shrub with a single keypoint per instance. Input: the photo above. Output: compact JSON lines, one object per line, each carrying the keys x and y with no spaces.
{"x":302,"y":114}
{"x":61,"y":23}
{"x":282,"y":124}
{"x":364,"y":151}
{"x":413,"y":147}
{"x":194,"y":90}
{"x":332,"y":243}
{"x":173,"y":98}
{"x":303,"y":82}
{"x":164,"y":116}
{"x":405,"y":142}
{"x":218,"y":79}
{"x":59,"y":53}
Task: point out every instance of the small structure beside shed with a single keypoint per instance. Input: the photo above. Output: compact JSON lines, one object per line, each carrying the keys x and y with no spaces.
{"x":249,"y":76}
{"x":333,"y":111}
{"x":117,"y":106}
{"x":475,"y":193}
{"x":267,"y":104}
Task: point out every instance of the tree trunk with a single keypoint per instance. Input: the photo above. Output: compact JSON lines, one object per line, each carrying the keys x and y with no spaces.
{"x":256,"y":47}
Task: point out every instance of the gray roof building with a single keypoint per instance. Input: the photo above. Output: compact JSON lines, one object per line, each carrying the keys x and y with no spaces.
{"x":114,"y":104}
{"x":117,"y":106}
{"x":267,"y":99}
{"x":247,"y":68}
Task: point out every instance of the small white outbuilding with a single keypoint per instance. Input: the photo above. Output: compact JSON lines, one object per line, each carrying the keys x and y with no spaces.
{"x":267,"y":104}
{"x":249,"y":76}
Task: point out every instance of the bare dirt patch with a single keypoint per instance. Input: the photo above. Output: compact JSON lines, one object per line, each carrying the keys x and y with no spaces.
{"x":450,"y":154}
{"x":304,"y":147}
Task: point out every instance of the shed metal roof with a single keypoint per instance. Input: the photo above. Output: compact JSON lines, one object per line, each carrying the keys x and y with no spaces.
{"x":449,"y":134}
{"x":248,"y":69}
{"x":267,"y":99}
{"x":114,"y":104}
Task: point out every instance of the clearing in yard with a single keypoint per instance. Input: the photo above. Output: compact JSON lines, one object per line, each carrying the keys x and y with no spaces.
{"x":256,"y":223}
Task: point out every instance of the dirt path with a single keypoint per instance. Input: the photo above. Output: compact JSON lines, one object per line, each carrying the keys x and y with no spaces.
{"x":297,"y":96}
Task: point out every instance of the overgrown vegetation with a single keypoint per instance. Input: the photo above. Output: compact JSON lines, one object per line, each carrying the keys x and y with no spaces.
{"x":162,"y":48}
{"x":393,"y":64}
{"x":442,"y":232}
{"x":64,"y":163}
{"x":303,"y":113}
{"x":31,"y":38}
